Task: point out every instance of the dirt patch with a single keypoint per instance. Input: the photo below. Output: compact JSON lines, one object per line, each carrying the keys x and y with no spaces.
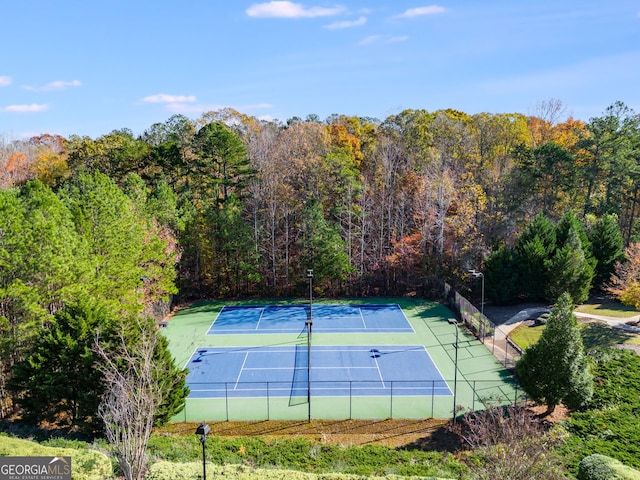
{"x":559,"y":414}
{"x":389,"y":433}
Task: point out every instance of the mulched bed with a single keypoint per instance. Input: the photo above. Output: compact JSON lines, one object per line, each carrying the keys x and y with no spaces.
{"x":390,"y":433}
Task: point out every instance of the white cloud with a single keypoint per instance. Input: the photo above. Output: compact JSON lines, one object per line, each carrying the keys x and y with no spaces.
{"x":57,"y":85}
{"x":284,"y":9}
{"x":34,"y":107}
{"x":347,"y":23}
{"x":5,"y":81}
{"x":369,"y":40}
{"x":396,"y":38}
{"x":382,"y":39}
{"x":163,"y":98}
{"x":420,"y":11}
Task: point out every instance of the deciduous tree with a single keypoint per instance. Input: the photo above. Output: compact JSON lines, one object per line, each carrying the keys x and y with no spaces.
{"x":138,"y":386}
{"x":625,"y":281}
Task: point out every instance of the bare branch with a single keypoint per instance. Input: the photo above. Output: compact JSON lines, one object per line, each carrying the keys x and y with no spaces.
{"x":131,"y":399}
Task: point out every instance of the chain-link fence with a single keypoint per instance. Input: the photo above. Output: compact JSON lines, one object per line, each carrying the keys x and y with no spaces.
{"x":345,"y":399}
{"x":493,"y":336}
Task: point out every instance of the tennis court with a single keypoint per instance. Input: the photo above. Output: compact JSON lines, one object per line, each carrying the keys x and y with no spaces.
{"x":335,"y":371}
{"x":326,"y":319}
{"x":381,"y":358}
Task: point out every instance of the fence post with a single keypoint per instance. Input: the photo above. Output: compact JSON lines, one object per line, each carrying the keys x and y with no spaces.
{"x":268,"y":403}
{"x":350,"y":399}
{"x":493,"y":346}
{"x":506,"y":352}
{"x":391,"y":402}
{"x":433,"y":396}
{"x":226,"y":399}
{"x":473,"y":396}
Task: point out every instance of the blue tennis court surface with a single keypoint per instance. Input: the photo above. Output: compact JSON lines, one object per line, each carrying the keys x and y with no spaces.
{"x":335,"y":371}
{"x":326,"y":319}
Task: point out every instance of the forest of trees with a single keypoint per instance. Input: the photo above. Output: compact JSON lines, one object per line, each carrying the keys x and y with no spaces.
{"x":374,"y":207}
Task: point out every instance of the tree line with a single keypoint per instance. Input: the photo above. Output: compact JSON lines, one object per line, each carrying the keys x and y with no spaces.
{"x":372,"y":206}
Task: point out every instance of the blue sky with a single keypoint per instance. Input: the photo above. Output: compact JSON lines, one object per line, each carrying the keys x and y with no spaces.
{"x":88,"y":67}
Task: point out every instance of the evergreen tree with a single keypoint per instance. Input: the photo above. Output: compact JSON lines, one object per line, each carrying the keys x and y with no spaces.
{"x":608,"y":247}
{"x":555,"y":369}
{"x":171,"y":379}
{"x":536,"y":244}
{"x":60,"y":379}
{"x":105,"y":218}
{"x":568,"y":222}
{"x":502,"y":277}
{"x":569,"y":270}
{"x":233,"y":261}
{"x":221,"y":164}
{"x":57,"y":381}
{"x":324,"y":250}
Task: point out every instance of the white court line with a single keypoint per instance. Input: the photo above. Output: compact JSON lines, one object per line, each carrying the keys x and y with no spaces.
{"x":260,"y":318}
{"x":405,"y":317}
{"x":191,"y":357}
{"x":364,"y":324}
{"x":246,"y":355}
{"x":216,"y":318}
{"x":375,"y":359}
{"x":338,"y":367}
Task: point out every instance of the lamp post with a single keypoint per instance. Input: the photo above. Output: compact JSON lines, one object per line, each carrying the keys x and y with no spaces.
{"x":309,"y":324}
{"x":476,"y":274}
{"x":202,"y":430}
{"x":454,"y":322}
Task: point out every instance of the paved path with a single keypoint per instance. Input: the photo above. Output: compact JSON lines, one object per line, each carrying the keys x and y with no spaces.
{"x":615,"y":322}
{"x":505,"y":352}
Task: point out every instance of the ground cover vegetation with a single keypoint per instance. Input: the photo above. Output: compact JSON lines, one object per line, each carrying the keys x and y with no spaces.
{"x":97,"y":234}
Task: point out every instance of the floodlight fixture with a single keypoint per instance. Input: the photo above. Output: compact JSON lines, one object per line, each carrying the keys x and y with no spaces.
{"x":202,"y":430}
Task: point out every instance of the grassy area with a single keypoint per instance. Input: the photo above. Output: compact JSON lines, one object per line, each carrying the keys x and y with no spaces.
{"x":608,"y":309}
{"x":594,"y":334}
{"x":86,"y":464}
{"x":525,"y":335}
{"x":305,"y":456}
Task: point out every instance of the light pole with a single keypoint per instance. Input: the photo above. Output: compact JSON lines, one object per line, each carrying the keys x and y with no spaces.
{"x":476,"y":274}
{"x":454,"y":322}
{"x":309,"y":324}
{"x":202,"y":430}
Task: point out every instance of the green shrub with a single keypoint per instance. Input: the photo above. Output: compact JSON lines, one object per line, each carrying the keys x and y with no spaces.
{"x":86,"y":464}
{"x":189,"y":471}
{"x":601,"y":467}
{"x":542,"y":319}
{"x":609,"y":426}
{"x":303,"y":455}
